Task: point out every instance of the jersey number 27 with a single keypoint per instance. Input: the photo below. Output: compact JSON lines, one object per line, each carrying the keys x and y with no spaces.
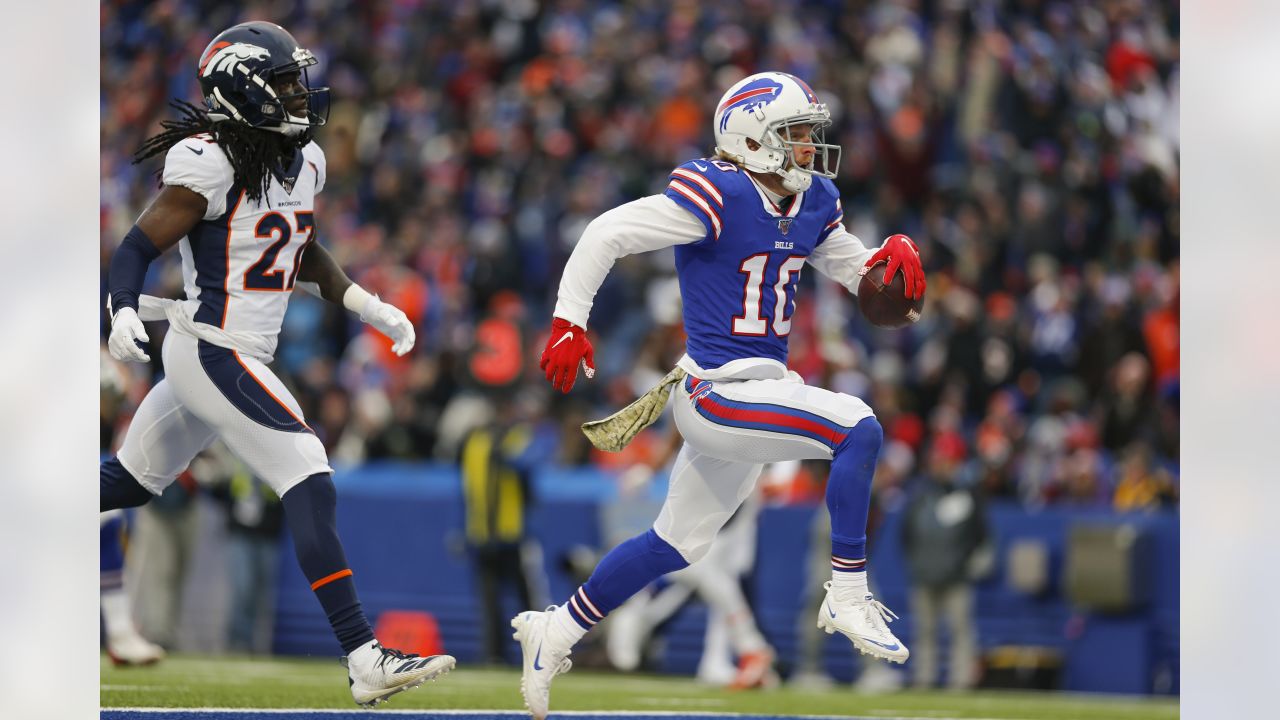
{"x":263,"y":275}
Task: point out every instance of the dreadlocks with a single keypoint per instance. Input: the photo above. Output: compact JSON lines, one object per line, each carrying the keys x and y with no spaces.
{"x":252,"y":152}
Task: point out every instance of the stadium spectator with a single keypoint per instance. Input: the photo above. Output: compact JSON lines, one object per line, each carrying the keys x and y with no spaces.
{"x":943,"y":536}
{"x":1031,"y":149}
{"x":255,"y":521}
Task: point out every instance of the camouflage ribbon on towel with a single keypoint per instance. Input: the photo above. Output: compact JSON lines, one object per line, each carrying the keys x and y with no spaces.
{"x":615,"y":432}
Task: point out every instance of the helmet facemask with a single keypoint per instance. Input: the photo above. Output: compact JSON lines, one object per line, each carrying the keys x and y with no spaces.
{"x":317,"y":99}
{"x":826,"y":157}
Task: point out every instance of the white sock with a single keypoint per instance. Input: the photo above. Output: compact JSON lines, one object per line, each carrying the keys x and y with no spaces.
{"x":744,"y":634}
{"x":116,"y":614}
{"x":850,"y":583}
{"x":563,"y":629}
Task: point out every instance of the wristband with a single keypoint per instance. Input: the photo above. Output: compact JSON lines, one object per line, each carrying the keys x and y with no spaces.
{"x":356,"y":299}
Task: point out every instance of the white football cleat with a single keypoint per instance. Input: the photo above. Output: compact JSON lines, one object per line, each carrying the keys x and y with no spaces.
{"x":543,"y":659}
{"x":376,"y":673}
{"x":862,"y":620}
{"x":129,"y":648}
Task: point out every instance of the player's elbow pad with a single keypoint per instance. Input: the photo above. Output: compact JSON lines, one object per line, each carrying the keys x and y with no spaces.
{"x":129,"y":269}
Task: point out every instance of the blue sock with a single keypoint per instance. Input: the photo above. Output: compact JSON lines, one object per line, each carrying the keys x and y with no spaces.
{"x":111,"y":554}
{"x":849,"y":495}
{"x":118,"y":489}
{"x":623,"y":572}
{"x":310,"y":509}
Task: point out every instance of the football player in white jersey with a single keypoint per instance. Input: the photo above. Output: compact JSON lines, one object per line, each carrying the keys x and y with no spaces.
{"x":744,"y":224}
{"x":238,"y":196}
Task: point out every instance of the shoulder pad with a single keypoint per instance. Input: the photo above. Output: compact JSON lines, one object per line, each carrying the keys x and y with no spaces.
{"x":722,"y":177}
{"x":314,"y":155}
{"x":824,"y":187}
{"x":199,"y":164}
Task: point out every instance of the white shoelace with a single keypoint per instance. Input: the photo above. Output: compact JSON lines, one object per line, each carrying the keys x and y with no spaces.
{"x":876,"y":608}
{"x":876,"y":613}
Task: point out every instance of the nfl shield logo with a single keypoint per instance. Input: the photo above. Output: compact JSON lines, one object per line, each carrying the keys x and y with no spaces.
{"x":784,"y":224}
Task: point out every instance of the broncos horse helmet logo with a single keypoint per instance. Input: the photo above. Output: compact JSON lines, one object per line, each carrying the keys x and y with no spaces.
{"x":225,"y":56}
{"x":749,"y":97}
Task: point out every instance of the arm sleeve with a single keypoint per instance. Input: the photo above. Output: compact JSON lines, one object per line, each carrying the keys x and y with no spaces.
{"x":129,"y":270}
{"x":650,"y":223}
{"x":840,"y":256}
{"x":200,"y":166}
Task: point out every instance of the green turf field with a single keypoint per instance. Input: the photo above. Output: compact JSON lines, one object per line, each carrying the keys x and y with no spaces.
{"x":293,"y":683}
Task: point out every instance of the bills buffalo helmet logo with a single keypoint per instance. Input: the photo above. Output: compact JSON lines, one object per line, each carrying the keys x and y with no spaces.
{"x":749,"y":97}
{"x":225,"y":56}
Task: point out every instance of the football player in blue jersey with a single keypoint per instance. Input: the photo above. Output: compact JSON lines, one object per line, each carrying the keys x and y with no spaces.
{"x":744,"y":224}
{"x":238,"y":193}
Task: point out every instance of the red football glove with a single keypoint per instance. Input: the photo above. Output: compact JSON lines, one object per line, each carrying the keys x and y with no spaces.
{"x":566,"y":347}
{"x":900,"y":252}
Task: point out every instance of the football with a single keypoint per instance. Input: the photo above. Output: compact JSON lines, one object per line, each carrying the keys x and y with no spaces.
{"x":883,"y":305}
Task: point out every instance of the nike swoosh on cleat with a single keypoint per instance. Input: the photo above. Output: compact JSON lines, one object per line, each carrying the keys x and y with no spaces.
{"x":537,"y":657}
{"x":198,"y":152}
{"x":833,"y":612}
{"x":880,"y":644}
{"x":566,"y":336}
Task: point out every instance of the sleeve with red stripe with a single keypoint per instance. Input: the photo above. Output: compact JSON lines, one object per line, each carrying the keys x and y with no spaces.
{"x":697,"y":192}
{"x":837,"y":217}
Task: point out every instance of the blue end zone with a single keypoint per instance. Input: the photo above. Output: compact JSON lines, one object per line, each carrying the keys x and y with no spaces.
{"x":298,"y":714}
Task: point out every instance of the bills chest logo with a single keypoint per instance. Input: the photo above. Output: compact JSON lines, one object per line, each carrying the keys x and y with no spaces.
{"x":784,"y":225}
{"x":749,"y":97}
{"x":225,"y":56}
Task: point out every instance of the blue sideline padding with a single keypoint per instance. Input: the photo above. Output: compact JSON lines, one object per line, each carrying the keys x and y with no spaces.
{"x":428,"y":570}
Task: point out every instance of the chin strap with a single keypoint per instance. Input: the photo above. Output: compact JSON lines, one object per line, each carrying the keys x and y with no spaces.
{"x":796,"y":180}
{"x":293,"y":126}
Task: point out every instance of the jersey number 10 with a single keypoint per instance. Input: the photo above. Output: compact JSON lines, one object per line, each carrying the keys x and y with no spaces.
{"x":752,"y":320}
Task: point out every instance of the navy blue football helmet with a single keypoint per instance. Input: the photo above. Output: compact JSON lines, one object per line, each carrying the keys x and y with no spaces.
{"x":235,"y":76}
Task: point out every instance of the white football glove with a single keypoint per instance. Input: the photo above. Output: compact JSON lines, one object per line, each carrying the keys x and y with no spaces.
{"x":126,"y":332}
{"x":392,"y":322}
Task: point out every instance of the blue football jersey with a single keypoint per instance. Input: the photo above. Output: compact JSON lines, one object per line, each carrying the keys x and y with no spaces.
{"x":739,"y":282}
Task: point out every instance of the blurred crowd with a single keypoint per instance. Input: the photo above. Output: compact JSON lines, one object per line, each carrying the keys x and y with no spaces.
{"x":1029,"y":147}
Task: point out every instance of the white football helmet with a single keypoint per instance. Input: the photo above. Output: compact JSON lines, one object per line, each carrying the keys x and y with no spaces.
{"x":763,"y":108}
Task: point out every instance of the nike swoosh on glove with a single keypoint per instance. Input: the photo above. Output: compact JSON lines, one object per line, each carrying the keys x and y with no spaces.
{"x":392,"y":322}
{"x":566,"y":347}
{"x":128,"y":336}
{"x":898,"y":251}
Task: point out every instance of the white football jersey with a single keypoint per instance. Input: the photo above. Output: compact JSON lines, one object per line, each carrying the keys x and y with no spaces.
{"x":241,"y":261}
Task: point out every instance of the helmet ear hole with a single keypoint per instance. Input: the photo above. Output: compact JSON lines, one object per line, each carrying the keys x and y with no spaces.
{"x":752,"y":145}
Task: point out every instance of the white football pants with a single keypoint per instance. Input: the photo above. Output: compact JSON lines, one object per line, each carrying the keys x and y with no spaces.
{"x":731,"y":428}
{"x":211,"y":393}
